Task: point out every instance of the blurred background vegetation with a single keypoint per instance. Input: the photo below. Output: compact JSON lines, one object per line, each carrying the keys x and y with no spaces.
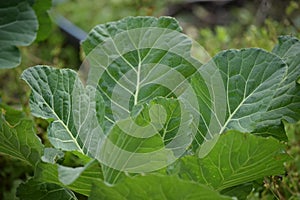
{"x":216,"y":25}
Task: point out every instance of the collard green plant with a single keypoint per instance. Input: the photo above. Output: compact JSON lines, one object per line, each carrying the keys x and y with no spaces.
{"x":151,"y":119}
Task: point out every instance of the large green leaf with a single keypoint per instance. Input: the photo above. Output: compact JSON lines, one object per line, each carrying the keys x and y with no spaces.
{"x":260,"y":90}
{"x":135,"y":146}
{"x":155,"y":188}
{"x":132,"y":62}
{"x":251,"y":78}
{"x":236,"y":158}
{"x":144,"y":148}
{"x":137,"y":58}
{"x":18,"y":27}
{"x":17,"y":136}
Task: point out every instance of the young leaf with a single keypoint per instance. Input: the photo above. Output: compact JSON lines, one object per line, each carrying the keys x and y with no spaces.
{"x":18,"y":138}
{"x":154,"y":187}
{"x":139,"y":145}
{"x":19,"y":26}
{"x":235,"y":159}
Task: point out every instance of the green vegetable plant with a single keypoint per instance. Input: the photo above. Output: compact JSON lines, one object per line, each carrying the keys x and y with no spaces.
{"x":150,"y":116}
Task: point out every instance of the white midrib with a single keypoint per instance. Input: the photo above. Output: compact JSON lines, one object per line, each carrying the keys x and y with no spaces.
{"x":58,"y":119}
{"x":236,"y":109}
{"x":230,"y":117}
{"x":138,"y":74}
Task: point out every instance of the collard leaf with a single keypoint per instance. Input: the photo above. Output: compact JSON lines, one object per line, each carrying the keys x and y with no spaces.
{"x":138,"y":59}
{"x":286,"y":103}
{"x":236,"y":158}
{"x":132,"y":62}
{"x":51,"y":98}
{"x":19,"y":26}
{"x":250,"y":78}
{"x":144,"y":144}
{"x":155,"y":188}
{"x":135,"y":143}
{"x":18,"y":138}
{"x":33,"y":189}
